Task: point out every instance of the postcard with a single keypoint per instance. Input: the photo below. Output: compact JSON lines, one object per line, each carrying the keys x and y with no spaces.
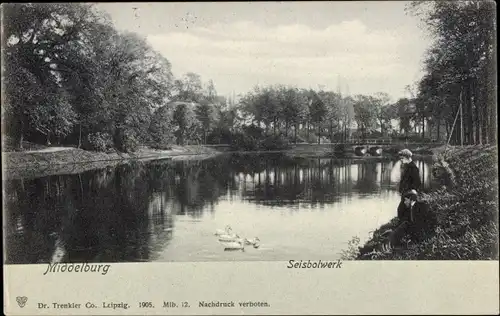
{"x":277,"y":158}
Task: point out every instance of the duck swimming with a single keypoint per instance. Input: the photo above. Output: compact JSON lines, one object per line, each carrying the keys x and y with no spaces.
{"x":229,"y":238}
{"x":254,"y":242}
{"x":226,"y":231}
{"x":234,"y":245}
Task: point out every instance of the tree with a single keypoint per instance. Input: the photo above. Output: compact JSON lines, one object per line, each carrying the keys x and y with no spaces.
{"x":365,"y":114}
{"x":189,"y":88}
{"x":185,"y":121}
{"x":383,"y":112}
{"x":204,"y":114}
{"x":161,"y":128}
{"x":332,"y":103}
{"x":460,"y":63}
{"x":291,"y":104}
{"x":267,"y":104}
{"x":346,"y":115}
{"x":317,"y":111}
{"x":34,"y":37}
{"x":79,"y":75}
{"x":404,"y":113}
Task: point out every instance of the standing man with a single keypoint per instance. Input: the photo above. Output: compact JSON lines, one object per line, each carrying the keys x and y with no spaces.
{"x":410,"y":176}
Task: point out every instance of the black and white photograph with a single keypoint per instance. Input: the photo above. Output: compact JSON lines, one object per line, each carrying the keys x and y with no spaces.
{"x":309,"y":133}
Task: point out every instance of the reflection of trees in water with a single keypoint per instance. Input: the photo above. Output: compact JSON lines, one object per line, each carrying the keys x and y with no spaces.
{"x":107,"y":215}
{"x":126,"y":213}
{"x":320,"y":180}
{"x":367,"y":180}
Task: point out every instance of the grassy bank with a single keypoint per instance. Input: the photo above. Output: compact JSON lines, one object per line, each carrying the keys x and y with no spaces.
{"x":37,"y":163}
{"x":466,"y":207}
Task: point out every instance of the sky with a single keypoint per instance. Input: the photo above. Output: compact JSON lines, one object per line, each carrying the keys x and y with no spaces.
{"x":358,"y":47}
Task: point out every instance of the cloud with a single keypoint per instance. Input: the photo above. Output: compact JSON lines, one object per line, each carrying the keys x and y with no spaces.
{"x":239,"y":55}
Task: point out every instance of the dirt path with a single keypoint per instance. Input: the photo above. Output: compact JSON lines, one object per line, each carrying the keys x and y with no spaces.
{"x":50,"y":149}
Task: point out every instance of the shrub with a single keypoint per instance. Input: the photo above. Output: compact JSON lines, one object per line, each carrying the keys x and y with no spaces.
{"x":340,"y":148}
{"x":274,"y":143}
{"x":98,"y":142}
{"x":219,"y":136}
{"x":352,"y":251}
{"x":126,"y":141}
{"x":241,"y":141}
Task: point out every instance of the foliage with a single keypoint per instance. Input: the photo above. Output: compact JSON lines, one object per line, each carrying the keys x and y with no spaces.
{"x":273,"y":142}
{"x":185,"y":120}
{"x":98,"y":142}
{"x":70,"y":74}
{"x":459,"y":68}
{"x":242,"y":141}
{"x":219,"y":135}
{"x":126,"y":140}
{"x":205,"y":115}
{"x":189,"y":88}
{"x":365,"y":114}
{"x":352,"y":250}
{"x":161,"y":128}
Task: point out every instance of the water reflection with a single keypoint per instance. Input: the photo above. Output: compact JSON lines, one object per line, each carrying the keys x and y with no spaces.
{"x":130,"y":213}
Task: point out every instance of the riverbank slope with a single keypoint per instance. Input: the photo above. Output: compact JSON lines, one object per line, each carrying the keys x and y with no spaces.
{"x":466,"y":207}
{"x":68,"y":160}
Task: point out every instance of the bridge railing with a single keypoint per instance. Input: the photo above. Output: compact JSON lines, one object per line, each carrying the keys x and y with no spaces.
{"x":374,"y":141}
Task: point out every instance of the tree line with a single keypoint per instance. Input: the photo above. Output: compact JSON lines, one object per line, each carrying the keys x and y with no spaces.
{"x":70,"y":77}
{"x":459,"y":70}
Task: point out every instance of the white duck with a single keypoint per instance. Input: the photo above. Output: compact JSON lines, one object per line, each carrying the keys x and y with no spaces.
{"x":230,"y":238}
{"x":254,"y":242}
{"x":234,"y":245}
{"x":226,"y":231}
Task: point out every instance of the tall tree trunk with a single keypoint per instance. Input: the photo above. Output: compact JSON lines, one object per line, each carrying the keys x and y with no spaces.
{"x":80,"y":136}
{"x":319,"y":132}
{"x":438,"y":128}
{"x":21,"y":135}
{"x":331,"y":132}
{"x":477,"y":115}
{"x":295,"y":132}
{"x":447,"y":127}
{"x":485,"y":116}
{"x":470,"y":118}
{"x":490,"y":97}
{"x":423,"y":126}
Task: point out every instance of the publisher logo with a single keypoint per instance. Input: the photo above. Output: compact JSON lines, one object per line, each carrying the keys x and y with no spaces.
{"x":21,"y":301}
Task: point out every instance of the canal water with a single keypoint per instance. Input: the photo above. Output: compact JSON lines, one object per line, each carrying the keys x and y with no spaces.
{"x":165,"y":210}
